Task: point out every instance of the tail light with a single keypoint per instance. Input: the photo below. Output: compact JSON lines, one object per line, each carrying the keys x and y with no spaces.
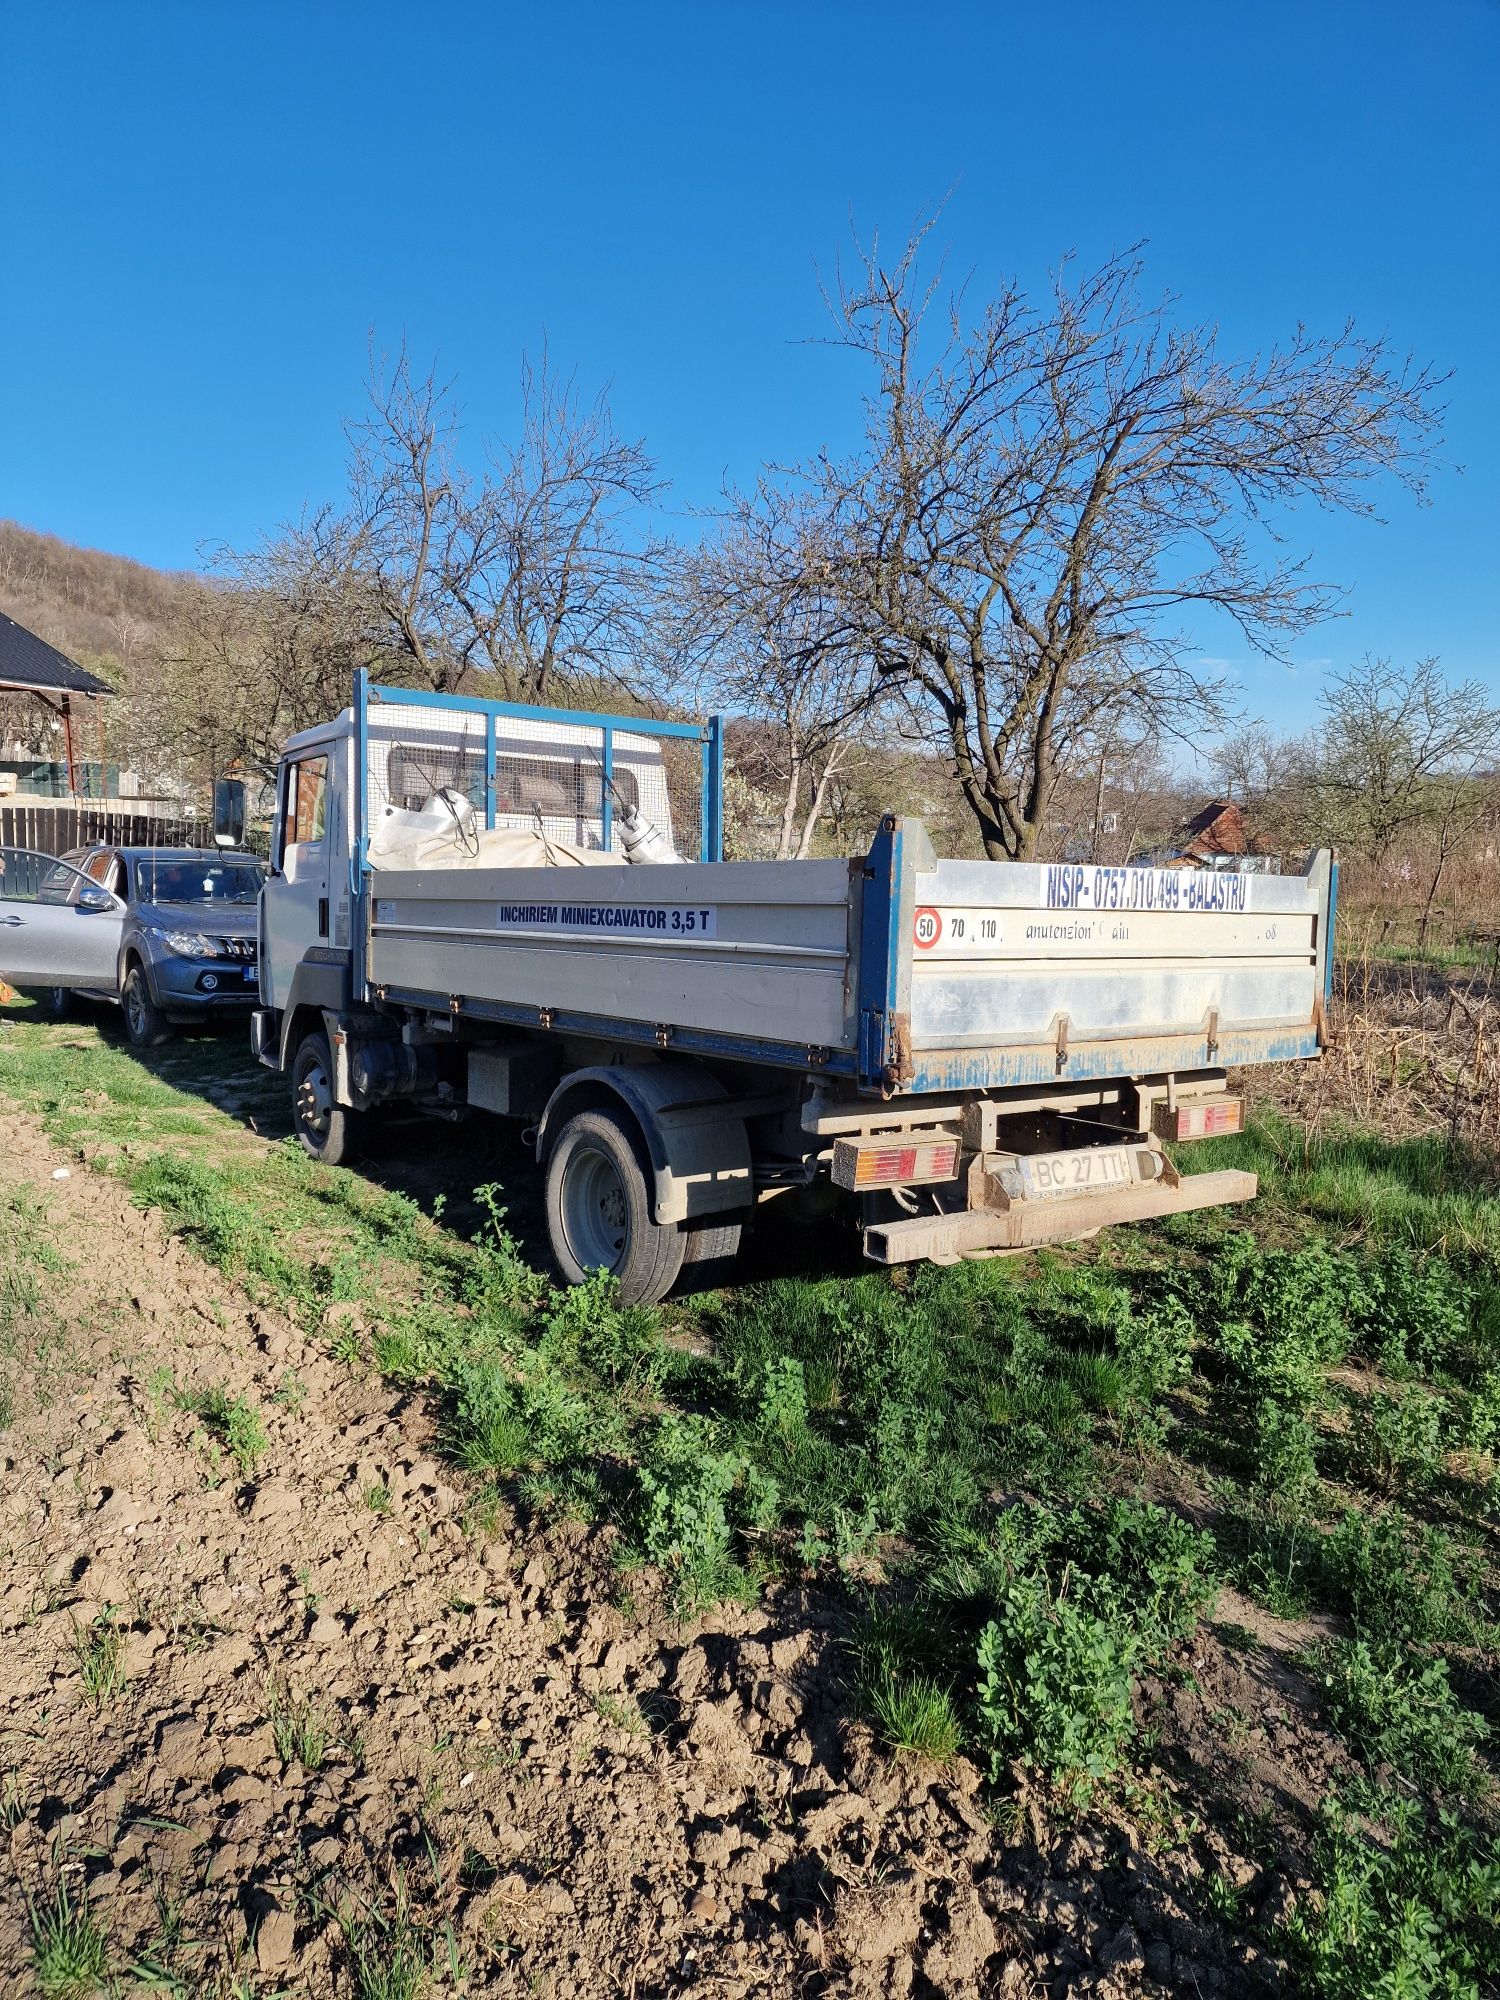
{"x":859,"y":1164}
{"x":1206,"y":1119}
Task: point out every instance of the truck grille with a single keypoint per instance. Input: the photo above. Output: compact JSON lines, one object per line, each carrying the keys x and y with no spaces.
{"x":238,"y":947}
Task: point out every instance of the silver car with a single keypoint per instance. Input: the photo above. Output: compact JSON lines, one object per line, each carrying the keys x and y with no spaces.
{"x":168,"y":933}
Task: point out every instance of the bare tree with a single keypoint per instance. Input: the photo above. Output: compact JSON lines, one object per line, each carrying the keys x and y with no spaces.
{"x":1045,"y":486}
{"x":1403,"y":749}
{"x":1394,"y":742}
{"x":759,"y":619}
{"x":1274,"y":777}
{"x":267,"y":645}
{"x":536,"y":571}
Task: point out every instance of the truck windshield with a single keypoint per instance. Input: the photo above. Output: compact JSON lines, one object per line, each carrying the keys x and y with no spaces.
{"x":198,"y":881}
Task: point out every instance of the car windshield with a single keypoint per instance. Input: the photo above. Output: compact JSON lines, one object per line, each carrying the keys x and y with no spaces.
{"x":204,"y":882}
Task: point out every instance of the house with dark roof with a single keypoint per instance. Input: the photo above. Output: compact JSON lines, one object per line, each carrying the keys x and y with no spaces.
{"x":1217,"y":836}
{"x":37,"y":671}
{"x":30,"y":666}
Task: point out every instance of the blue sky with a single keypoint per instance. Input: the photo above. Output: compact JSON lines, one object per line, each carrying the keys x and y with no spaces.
{"x":205,"y":209}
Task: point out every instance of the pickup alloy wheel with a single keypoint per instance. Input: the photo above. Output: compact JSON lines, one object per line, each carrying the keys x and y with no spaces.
{"x":599,"y":1210}
{"x":145,"y":1023}
{"x":329,"y":1132}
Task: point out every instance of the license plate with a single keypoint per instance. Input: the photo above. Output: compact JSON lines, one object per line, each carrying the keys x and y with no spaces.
{"x":1045,"y":1176}
{"x":252,"y":975}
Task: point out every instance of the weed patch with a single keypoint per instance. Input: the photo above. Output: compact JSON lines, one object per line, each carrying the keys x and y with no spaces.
{"x":70,"y":1952}
{"x":1397,"y":1710}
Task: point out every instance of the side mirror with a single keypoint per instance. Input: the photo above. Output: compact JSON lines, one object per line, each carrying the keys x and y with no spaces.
{"x":93,"y":900}
{"x":229,"y":812}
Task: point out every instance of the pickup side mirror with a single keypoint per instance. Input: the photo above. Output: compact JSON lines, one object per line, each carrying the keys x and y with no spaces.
{"x":92,"y":900}
{"x":229,"y":812}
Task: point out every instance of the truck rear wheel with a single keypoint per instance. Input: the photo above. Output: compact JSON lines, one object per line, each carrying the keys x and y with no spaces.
{"x":599,"y":1210}
{"x":330,"y":1132}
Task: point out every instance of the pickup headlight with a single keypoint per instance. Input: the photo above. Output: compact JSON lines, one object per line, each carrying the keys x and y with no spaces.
{"x":189,"y":944}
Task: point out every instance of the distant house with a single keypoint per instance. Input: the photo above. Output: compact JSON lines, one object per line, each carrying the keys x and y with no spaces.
{"x":29,"y":665}
{"x":39,"y":673}
{"x":1217,"y":836}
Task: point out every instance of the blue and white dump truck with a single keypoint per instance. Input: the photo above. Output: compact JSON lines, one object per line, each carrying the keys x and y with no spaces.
{"x":475,"y":907}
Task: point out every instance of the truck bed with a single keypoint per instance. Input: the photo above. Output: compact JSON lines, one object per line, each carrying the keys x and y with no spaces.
{"x":905,"y":973}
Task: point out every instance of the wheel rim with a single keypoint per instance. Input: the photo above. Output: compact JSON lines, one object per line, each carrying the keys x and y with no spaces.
{"x":135,"y":1012}
{"x":595,"y":1214}
{"x":57,"y":998}
{"x":314,"y":1102}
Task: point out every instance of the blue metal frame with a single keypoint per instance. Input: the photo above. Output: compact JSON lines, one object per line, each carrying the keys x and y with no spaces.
{"x":713,"y":790}
{"x":471,"y":704}
{"x":1331,"y":937}
{"x":709,"y":734}
{"x":879,"y":950}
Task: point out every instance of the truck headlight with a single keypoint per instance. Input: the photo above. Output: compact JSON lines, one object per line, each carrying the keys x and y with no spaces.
{"x":189,"y":944}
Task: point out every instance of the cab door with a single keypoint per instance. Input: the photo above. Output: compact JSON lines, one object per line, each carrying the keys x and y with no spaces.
{"x":57,"y":927}
{"x":294,"y":901}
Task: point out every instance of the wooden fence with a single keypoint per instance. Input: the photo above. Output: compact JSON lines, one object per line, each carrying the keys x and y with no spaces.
{"x":56,"y":829}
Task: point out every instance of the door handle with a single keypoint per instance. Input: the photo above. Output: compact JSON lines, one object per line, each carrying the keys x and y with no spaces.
{"x":322,"y":916}
{"x":13,"y":920}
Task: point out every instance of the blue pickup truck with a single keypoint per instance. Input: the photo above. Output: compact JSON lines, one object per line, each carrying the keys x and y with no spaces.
{"x":168,"y":933}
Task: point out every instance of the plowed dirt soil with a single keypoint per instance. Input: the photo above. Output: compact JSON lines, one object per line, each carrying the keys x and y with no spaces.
{"x":360,"y":1731}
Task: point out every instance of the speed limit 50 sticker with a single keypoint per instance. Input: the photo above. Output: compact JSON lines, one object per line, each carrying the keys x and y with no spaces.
{"x":955,"y":930}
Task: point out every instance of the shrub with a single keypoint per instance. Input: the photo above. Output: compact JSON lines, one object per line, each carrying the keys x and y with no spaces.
{"x":1160,"y":1567}
{"x":686,"y":1481}
{"x":234,"y":1421}
{"x":1481,"y":1430}
{"x":1400,"y":1711}
{"x":1286,"y":1458}
{"x":1397,"y":1584}
{"x":1054,"y":1687}
{"x":1296,"y":1297}
{"x":589,"y":1332}
{"x":1411,"y":1312}
{"x":1397,"y":1440}
{"x":1411,"y":1916}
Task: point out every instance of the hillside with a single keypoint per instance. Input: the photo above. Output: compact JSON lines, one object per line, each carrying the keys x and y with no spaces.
{"x":104,"y":611}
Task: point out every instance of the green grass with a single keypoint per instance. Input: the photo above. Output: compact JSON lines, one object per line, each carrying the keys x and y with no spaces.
{"x":1421,"y":1193}
{"x":99,"y":1651}
{"x":69,"y":1949}
{"x":233,"y":1421}
{"x":301,"y":1731}
{"x":963,"y":1453}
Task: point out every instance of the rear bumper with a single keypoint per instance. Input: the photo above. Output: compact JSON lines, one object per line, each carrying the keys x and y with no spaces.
{"x":980,"y":1232}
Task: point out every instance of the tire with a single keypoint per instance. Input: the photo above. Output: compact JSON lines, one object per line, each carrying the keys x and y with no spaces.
{"x":145,"y":1023}
{"x":329,"y":1132}
{"x":599,"y":1210}
{"x":715,"y":1240}
{"x":53,"y":1003}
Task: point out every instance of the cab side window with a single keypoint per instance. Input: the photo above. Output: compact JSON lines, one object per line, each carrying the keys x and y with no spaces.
{"x":105,"y":869}
{"x":305,"y":802}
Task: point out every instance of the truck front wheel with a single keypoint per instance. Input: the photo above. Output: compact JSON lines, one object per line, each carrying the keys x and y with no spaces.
{"x":599,"y":1210}
{"x":328,"y":1131}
